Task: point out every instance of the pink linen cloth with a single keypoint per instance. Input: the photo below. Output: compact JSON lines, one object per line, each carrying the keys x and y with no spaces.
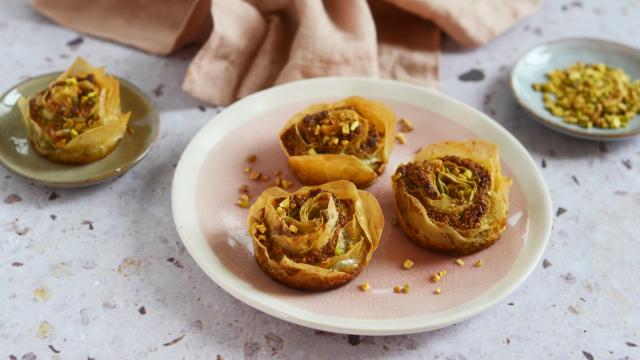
{"x":249,"y":45}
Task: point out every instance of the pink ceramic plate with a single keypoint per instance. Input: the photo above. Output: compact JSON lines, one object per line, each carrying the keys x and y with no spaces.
{"x":210,"y":171}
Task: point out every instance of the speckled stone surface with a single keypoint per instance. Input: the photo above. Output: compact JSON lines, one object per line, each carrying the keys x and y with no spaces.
{"x":100,"y":273}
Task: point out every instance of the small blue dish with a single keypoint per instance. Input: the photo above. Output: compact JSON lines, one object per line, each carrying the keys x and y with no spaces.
{"x":533,"y":66}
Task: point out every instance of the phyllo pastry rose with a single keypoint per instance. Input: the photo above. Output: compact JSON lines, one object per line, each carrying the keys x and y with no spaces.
{"x":452,"y":197}
{"x":349,"y":139}
{"x":317,"y":238}
{"x":77,"y":119}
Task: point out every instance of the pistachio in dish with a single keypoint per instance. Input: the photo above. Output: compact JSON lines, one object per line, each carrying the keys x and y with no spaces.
{"x":350,"y":139}
{"x":77,"y":119}
{"x":317,"y":238}
{"x":591,"y":95}
{"x":452,"y":198}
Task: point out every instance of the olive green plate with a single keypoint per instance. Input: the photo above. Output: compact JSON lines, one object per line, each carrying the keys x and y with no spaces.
{"x":17,"y":155}
{"x":533,"y":66}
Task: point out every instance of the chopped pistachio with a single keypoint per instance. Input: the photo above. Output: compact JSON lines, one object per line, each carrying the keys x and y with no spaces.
{"x":312,"y":152}
{"x":247,"y":170}
{"x":293,"y":229}
{"x":478,"y":263}
{"x":405,"y":288}
{"x":345,"y":129}
{"x":316,"y":130}
{"x":334,"y":141}
{"x":74,"y":133}
{"x":436,"y":277}
{"x":344,"y":142}
{"x":284,"y":203}
{"x":243,"y":201}
{"x":460,"y":262}
{"x":401,"y":138}
{"x":364,"y":286}
{"x":406,"y":125}
{"x":252,"y":158}
{"x":397,"y":289}
{"x":407,"y":264}
{"x":285,"y":184}
{"x":437,"y":291}
{"x":255,"y":175}
{"x":354,"y":125}
{"x":591,"y":95}
{"x":244,"y":189}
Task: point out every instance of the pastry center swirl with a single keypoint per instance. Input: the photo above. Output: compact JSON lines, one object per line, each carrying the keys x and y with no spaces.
{"x":453,"y":190}
{"x":335,"y":131}
{"x":310,"y":226}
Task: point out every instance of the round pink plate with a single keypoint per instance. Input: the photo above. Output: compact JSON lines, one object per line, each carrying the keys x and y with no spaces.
{"x":212,"y":227}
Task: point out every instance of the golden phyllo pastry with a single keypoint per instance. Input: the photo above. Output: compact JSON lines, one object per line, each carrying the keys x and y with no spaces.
{"x":452,"y":197}
{"x":77,"y":119}
{"x":317,"y":238}
{"x":349,"y":139}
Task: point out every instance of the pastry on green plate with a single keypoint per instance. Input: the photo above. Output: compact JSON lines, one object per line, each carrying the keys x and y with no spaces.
{"x":77,"y":119}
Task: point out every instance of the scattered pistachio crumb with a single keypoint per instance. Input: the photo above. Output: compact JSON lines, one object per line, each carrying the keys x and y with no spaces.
{"x":285,"y":184}
{"x":243,"y":201}
{"x":293,"y":229}
{"x":406,"y":125}
{"x":364,"y":286}
{"x":247,"y":170}
{"x":354,"y":125}
{"x":255,"y":175}
{"x":437,"y":291}
{"x":401,"y":138}
{"x":312,"y":152}
{"x":252,"y":158}
{"x":436,"y":277}
{"x":407,"y":264}
{"x":478,"y":263}
{"x":244,"y":189}
{"x":397,"y":289}
{"x":460,"y":262}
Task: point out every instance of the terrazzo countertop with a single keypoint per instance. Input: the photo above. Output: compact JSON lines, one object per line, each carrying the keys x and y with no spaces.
{"x":100,"y":273}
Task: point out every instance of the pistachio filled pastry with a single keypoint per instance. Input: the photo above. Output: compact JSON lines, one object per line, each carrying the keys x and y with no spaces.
{"x":77,"y":119}
{"x":452,"y":197}
{"x":349,"y":139}
{"x":317,"y":238}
